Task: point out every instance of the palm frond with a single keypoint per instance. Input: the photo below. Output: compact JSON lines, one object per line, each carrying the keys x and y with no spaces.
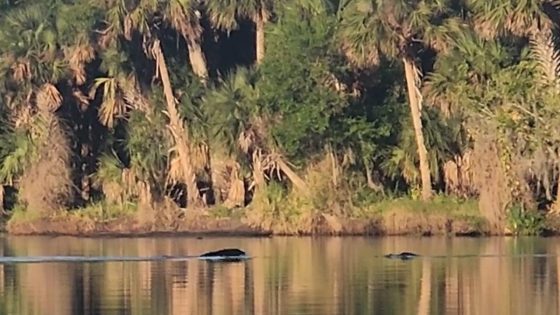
{"x":78,"y":56}
{"x":182,"y":15}
{"x":49,"y":98}
{"x":114,"y":104}
{"x":543,"y":51}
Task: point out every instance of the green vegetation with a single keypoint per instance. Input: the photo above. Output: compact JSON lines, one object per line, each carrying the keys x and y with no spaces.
{"x":281,"y":114}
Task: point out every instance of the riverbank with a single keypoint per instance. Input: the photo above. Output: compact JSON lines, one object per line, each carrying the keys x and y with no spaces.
{"x":394,"y":224}
{"x":395,"y":217}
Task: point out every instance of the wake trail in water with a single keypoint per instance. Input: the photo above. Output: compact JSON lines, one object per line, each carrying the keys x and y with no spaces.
{"x":101,"y":259}
{"x":420,"y":256}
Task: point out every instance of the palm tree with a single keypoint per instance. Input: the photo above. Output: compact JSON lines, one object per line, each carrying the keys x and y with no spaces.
{"x":33,"y":66}
{"x":547,"y":59}
{"x":494,"y":18}
{"x":505,"y":118}
{"x":224,"y":14}
{"x":533,"y":20}
{"x":239,"y":124}
{"x":369,"y":29}
{"x":140,"y":19}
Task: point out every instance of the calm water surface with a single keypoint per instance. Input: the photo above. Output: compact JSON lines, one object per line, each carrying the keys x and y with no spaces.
{"x":285,"y":276}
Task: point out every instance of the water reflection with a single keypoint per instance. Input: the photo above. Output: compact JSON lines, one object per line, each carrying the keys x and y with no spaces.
{"x":286,"y":276}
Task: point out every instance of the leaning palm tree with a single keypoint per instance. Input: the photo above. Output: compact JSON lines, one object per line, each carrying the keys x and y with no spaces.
{"x":123,"y":22}
{"x":394,"y":29}
{"x":224,"y":14}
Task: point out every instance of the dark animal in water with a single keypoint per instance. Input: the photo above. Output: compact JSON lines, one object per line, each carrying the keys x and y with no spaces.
{"x":402,"y":256}
{"x":228,"y":254}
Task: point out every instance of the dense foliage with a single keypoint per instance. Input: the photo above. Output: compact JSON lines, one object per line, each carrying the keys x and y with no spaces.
{"x":287,"y":105}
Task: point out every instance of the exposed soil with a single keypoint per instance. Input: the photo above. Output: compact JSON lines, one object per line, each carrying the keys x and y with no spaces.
{"x":389,"y":224}
{"x":399,"y":223}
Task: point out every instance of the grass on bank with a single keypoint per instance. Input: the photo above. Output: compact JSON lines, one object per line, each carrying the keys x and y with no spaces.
{"x":96,"y":212}
{"x":279,"y":212}
{"x":288,"y":211}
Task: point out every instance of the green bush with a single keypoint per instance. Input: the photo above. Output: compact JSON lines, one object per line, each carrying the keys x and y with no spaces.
{"x":523,"y":222}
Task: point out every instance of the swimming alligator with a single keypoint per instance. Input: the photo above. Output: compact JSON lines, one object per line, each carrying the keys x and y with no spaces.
{"x":228,"y":254}
{"x":402,"y":256}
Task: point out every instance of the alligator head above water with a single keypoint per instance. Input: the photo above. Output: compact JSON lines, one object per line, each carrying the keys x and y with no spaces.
{"x":402,"y":256}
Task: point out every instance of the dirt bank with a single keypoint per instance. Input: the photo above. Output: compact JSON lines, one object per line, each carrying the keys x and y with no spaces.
{"x":388,"y":224}
{"x":130,"y":227}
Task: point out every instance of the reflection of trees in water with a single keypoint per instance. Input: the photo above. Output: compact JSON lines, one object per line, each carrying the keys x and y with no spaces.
{"x":324,"y":275}
{"x":425,"y":288}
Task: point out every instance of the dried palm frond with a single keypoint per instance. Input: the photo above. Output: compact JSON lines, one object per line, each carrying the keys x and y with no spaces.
{"x":199,"y":156}
{"x":21,"y":70}
{"x":264,"y":164}
{"x":78,"y":56}
{"x":82,"y":99}
{"x":359,"y":55}
{"x":254,"y":135}
{"x":132,"y":95}
{"x":334,"y":83}
{"x":246,"y":140}
{"x":227,"y":182}
{"x":548,"y":59}
{"x":22,"y":116}
{"x":175,"y":173}
{"x":113,"y":104}
{"x":128,"y":27}
{"x":236,"y":193}
{"x":198,"y":159}
{"x":296,"y":180}
{"x":184,"y":21}
{"x":106,"y":38}
{"x":129,"y":179}
{"x":48,"y":98}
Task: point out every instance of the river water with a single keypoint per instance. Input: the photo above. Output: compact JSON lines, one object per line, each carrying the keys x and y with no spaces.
{"x":328,"y":275}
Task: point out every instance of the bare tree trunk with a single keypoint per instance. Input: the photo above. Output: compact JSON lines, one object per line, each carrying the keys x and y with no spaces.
{"x":556,"y":204}
{"x":2,"y":200}
{"x":197,"y":59}
{"x":210,"y":196}
{"x":370,"y":182}
{"x":258,"y":172}
{"x":334,"y":166}
{"x":259,"y":23}
{"x":177,"y":129}
{"x":414,"y":103}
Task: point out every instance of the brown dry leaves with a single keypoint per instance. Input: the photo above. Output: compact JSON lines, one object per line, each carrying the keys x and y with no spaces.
{"x":48,"y":98}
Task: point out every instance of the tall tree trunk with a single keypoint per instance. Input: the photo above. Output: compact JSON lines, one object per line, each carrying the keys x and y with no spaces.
{"x":197,"y":59}
{"x":258,"y":172}
{"x":414,"y":103}
{"x":259,"y":23}
{"x":370,"y":181}
{"x":177,"y":129}
{"x":556,"y":204}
